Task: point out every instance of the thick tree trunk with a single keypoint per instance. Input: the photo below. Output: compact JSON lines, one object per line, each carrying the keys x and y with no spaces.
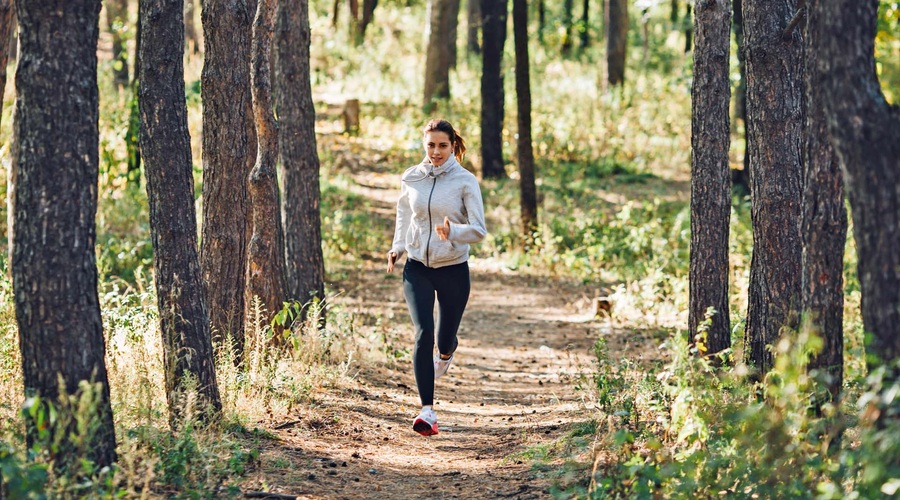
{"x":493,"y":22}
{"x":824,"y":225}
{"x":710,"y":175}
{"x":7,"y":19}
{"x":865,"y":133}
{"x":305,"y":264}
{"x":55,"y":156}
{"x":528,"y":191}
{"x":166,"y":147}
{"x":190,"y":28}
{"x":437,"y":59}
{"x":265,"y":252}
{"x":117,"y":22}
{"x":616,"y":41}
{"x":774,"y":138}
{"x":473,"y":26}
{"x":740,"y":91}
{"x":229,"y":151}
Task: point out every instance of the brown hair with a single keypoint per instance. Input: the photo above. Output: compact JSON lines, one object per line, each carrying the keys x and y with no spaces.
{"x":459,"y":144}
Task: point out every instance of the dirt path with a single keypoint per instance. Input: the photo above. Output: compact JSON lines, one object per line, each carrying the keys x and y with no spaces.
{"x":524,"y":341}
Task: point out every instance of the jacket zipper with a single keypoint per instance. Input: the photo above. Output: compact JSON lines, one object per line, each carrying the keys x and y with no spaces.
{"x":430,"y":225}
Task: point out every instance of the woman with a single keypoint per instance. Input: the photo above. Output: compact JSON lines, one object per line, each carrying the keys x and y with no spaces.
{"x":439,"y":214}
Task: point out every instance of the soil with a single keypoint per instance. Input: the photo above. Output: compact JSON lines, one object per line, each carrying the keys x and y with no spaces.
{"x":525,"y":343}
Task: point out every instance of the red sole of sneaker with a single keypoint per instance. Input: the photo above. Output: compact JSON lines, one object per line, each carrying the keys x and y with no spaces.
{"x":424,"y":428}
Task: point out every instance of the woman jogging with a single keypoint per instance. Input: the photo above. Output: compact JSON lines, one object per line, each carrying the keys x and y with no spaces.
{"x":439,"y":214}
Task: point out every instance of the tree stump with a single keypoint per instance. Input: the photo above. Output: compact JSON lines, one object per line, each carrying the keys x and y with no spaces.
{"x":351,"y":117}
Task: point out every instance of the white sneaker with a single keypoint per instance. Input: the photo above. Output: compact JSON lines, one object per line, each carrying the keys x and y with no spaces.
{"x":426,"y":423}
{"x":441,"y":365}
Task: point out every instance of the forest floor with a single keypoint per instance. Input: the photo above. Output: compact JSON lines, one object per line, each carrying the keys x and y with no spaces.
{"x":525,"y":343}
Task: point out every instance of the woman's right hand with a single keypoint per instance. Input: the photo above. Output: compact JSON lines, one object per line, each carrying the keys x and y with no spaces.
{"x":392,"y":258}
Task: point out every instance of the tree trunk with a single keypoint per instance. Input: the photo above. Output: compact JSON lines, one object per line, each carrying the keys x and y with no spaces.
{"x":190,"y":28}
{"x":473,"y":26}
{"x":265,"y":253}
{"x":740,"y":91}
{"x":493,"y":22}
{"x":305,"y":264}
{"x":616,"y":41}
{"x":117,"y":22}
{"x":368,"y":14}
{"x":673,"y":13}
{"x":453,"y":29}
{"x":528,"y":192}
{"x":542,"y":19}
{"x":774,"y":139}
{"x":688,"y":29}
{"x":710,"y":175}
{"x":865,"y":133}
{"x":585,"y":23}
{"x":437,"y":60}
{"x":132,"y":135}
{"x":7,"y":19}
{"x":229,"y":150}
{"x":824,"y":225}
{"x":166,"y":147}
{"x":568,"y":28}
{"x":56,"y":158}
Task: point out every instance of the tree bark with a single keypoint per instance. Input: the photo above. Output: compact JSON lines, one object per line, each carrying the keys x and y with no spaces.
{"x":190,"y":28}
{"x":117,"y":22}
{"x":865,"y":133}
{"x":7,"y":19}
{"x":824,"y":225}
{"x":304,"y":261}
{"x":527,"y":189}
{"x":493,"y":22}
{"x":229,"y":150}
{"x":56,"y":158}
{"x":437,"y":59}
{"x":166,"y":147}
{"x":265,"y":252}
{"x":473,"y":26}
{"x":616,"y":41}
{"x":710,"y":175}
{"x":774,"y":138}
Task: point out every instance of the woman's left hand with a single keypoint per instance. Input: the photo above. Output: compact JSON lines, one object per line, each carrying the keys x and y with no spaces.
{"x":443,"y":231}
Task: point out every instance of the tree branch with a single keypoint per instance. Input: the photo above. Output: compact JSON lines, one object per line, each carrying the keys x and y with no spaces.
{"x":800,"y":15}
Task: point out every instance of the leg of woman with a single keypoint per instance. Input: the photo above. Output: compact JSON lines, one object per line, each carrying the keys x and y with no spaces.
{"x":419,"y":292}
{"x":452,"y":286}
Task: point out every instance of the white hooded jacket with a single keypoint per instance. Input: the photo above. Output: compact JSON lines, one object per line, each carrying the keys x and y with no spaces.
{"x":427,"y":195}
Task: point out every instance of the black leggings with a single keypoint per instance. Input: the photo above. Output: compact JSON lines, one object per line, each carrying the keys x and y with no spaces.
{"x":420,"y":284}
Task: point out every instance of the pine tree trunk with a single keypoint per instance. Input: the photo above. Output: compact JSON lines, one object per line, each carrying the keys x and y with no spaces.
{"x":437,"y":60}
{"x":688,"y":29}
{"x":865,"y":133}
{"x":299,"y":158}
{"x":542,"y":19}
{"x":368,"y":14}
{"x":710,"y":175}
{"x":56,"y":158}
{"x":265,"y":253}
{"x":774,"y":138}
{"x":673,"y":13}
{"x":493,"y":22}
{"x":585,"y":23}
{"x":229,"y":151}
{"x":190,"y":28}
{"x":6,"y":27}
{"x":117,"y":22}
{"x":824,"y":225}
{"x":740,"y":91}
{"x":166,"y":148}
{"x":567,"y":20}
{"x":528,"y":191}
{"x":453,"y":31}
{"x":616,"y":41}
{"x":473,"y":26}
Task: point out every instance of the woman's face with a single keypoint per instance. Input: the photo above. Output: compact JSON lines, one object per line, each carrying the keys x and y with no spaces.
{"x":437,"y":147}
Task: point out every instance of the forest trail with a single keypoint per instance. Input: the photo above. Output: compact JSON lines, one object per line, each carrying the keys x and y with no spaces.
{"x":525,"y":341}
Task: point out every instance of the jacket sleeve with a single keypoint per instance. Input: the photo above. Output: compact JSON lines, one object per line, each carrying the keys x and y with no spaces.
{"x":474,"y":231}
{"x":404,"y":213}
